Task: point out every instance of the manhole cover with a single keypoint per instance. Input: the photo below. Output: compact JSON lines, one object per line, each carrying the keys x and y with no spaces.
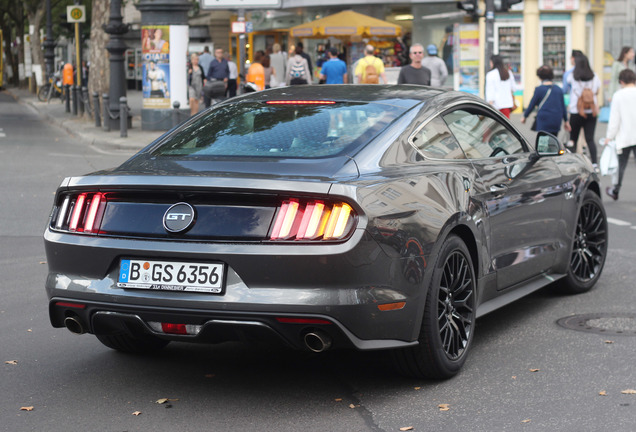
{"x":602,"y":323}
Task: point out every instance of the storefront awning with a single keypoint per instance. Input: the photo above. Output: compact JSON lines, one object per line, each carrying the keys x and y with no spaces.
{"x":346,"y":23}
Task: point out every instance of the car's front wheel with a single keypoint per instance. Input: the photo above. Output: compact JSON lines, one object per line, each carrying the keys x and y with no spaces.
{"x":449,"y":317}
{"x":589,"y":247}
{"x":132,"y":344}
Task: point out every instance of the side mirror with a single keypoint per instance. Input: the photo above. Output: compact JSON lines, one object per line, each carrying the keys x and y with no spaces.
{"x":548,"y":145}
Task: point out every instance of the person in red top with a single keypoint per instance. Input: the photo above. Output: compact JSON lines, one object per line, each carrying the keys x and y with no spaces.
{"x":256,"y":72}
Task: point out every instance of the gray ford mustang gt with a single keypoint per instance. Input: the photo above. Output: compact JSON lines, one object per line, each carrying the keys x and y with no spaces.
{"x":367,"y":217}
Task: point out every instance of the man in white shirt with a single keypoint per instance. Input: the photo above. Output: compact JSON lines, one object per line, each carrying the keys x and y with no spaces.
{"x":622,"y":125}
{"x":436,"y":65}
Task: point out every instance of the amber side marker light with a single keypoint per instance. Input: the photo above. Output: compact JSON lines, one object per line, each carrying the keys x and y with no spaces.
{"x":391,"y":306}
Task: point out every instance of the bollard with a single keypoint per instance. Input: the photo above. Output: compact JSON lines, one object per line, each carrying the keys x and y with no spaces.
{"x":175,"y":113}
{"x":96,"y":110}
{"x":74,"y":100}
{"x":123,"y":117}
{"x":67,"y":97}
{"x":106,"y":116}
{"x":85,"y":101}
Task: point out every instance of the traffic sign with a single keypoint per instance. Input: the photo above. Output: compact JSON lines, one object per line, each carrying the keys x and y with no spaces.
{"x":76,"y":14}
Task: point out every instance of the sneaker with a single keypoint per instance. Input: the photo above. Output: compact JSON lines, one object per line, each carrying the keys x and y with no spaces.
{"x":611,"y":192}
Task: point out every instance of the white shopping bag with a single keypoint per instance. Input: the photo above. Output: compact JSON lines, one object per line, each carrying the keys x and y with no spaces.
{"x":609,"y":161}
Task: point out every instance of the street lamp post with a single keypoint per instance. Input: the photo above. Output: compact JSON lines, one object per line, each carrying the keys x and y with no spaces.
{"x":116,"y":47}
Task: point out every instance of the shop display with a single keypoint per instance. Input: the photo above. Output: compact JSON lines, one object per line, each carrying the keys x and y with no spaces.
{"x":509,"y":42}
{"x":554,"y":55}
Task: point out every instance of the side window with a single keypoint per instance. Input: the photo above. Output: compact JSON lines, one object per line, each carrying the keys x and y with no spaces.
{"x":481,"y":136}
{"x":435,"y":141}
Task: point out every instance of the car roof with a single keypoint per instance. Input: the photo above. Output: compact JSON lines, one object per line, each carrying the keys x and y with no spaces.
{"x":407,"y":95}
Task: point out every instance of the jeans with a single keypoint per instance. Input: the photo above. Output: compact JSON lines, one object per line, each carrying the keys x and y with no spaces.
{"x":588,"y":125}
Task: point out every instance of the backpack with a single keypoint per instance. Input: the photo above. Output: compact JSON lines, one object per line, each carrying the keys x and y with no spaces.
{"x":586,"y":102}
{"x":370,"y":75}
{"x":297,"y":70}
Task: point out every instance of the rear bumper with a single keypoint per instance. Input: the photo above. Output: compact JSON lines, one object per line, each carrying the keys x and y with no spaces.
{"x":215,"y":327}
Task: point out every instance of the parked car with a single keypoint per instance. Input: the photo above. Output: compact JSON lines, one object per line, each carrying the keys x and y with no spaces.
{"x":330,"y":217}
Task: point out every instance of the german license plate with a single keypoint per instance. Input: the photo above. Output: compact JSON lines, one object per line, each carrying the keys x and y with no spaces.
{"x":171,"y":276}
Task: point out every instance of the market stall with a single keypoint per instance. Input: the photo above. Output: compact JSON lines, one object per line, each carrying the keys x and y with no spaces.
{"x":354,"y":30}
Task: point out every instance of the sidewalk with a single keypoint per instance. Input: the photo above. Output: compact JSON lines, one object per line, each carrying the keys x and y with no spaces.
{"x":84,"y":128}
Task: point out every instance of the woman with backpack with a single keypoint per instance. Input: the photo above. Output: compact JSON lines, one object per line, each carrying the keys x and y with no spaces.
{"x":583,"y":108}
{"x":500,"y":86}
{"x":297,"y":69}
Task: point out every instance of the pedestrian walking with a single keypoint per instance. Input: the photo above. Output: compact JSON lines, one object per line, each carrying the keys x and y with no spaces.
{"x":277,"y":60}
{"x":256,"y":71}
{"x":205,"y":58}
{"x":549,"y":98}
{"x":370,"y":68}
{"x":583,"y":107}
{"x":334,"y":70}
{"x":622,"y":125}
{"x":297,"y":69}
{"x":622,"y":62}
{"x":500,"y":86}
{"x":415,"y":73}
{"x":196,"y":82}
{"x":568,"y":72}
{"x":436,"y":65}
{"x":230,"y":91}
{"x":304,"y":55}
{"x":217,"y":76}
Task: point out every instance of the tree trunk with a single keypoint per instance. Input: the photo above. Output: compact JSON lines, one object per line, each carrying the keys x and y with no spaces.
{"x":35,"y":20}
{"x":99,"y":76}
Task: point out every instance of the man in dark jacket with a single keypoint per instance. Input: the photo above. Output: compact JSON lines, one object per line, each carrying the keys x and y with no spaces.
{"x":415,"y":73}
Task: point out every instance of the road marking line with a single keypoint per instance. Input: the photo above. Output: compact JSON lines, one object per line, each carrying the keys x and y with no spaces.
{"x":618,"y":222}
{"x":2,"y":134}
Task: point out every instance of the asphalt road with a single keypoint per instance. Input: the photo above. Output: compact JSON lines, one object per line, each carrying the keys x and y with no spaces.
{"x":525,"y":372}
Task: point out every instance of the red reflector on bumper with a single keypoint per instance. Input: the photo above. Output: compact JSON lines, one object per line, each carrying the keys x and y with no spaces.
{"x":71,"y":305}
{"x":179,"y":329}
{"x":284,"y":320}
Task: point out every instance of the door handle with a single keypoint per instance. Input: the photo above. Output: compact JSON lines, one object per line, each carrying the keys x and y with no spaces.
{"x":498,"y":188}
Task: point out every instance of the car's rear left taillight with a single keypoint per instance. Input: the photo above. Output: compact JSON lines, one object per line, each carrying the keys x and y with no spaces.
{"x":80,"y":213}
{"x":313,"y":220}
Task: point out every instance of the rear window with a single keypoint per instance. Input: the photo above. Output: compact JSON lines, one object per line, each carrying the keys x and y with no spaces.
{"x":280,"y":130}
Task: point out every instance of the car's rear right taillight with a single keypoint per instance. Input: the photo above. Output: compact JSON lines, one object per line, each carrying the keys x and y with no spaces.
{"x":313,"y":220}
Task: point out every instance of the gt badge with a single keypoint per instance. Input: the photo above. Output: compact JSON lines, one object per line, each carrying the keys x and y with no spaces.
{"x":179,"y":218}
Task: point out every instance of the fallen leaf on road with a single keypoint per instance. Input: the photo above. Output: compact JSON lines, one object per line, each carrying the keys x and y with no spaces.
{"x":136,"y":413}
{"x":12,"y":362}
{"x":29,"y":330}
{"x":161,"y":401}
{"x":514,"y":377}
{"x":417,"y":388}
{"x":29,"y":408}
{"x":526,"y":421}
{"x":42,"y":262}
{"x":629,"y":391}
{"x":535,"y":370}
{"x":406,"y":428}
{"x":609,"y":342}
{"x":444,"y":407}
{"x":602,"y":393}
{"x":338,"y":399}
{"x":352,"y":406}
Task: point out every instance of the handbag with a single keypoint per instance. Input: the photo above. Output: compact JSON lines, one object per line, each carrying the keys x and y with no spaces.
{"x":534,"y":123}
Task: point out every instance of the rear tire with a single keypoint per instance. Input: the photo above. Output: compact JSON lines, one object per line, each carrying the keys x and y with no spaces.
{"x":43,"y":92}
{"x":589,"y":247}
{"x":133,"y":344}
{"x":449,"y":317}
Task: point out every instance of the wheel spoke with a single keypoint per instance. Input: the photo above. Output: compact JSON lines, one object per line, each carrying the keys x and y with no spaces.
{"x":589,"y":244}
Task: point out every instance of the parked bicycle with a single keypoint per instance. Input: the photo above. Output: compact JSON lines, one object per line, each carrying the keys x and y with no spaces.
{"x":53,"y":88}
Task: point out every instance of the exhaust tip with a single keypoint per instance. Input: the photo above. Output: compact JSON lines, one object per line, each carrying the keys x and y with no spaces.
{"x":74,"y":325}
{"x":317,"y":341}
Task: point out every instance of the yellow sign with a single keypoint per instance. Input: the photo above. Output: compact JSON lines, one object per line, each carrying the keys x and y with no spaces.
{"x":76,"y":14}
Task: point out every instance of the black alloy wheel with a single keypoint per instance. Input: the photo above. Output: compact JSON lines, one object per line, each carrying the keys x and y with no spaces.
{"x":589,"y":247}
{"x":449,"y":317}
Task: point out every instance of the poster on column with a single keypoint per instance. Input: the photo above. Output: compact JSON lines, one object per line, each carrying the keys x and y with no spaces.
{"x":467,"y":54}
{"x":155,"y":50}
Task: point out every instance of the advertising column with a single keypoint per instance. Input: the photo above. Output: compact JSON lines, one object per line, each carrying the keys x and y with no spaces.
{"x":164,"y":47}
